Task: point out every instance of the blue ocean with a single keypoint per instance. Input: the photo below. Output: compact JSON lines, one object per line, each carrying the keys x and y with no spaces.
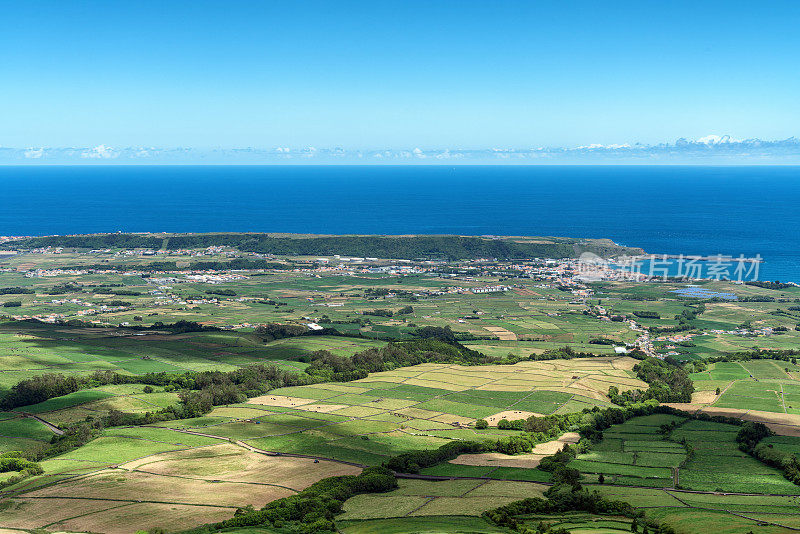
{"x":752,"y":210}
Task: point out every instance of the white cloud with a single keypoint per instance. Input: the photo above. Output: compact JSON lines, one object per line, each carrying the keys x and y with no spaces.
{"x":448,"y":155}
{"x":710,"y":148}
{"x":599,"y":146}
{"x":100,"y":152}
{"x":718,"y":140}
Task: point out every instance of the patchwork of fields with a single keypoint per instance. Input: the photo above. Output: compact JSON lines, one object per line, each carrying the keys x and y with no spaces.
{"x":211,"y":464}
{"x":183,"y":473}
{"x":716,"y":488}
{"x":715,"y":484}
{"x":635,"y":453}
{"x":766,"y":391}
{"x":134,"y":478}
{"x":427,"y":405}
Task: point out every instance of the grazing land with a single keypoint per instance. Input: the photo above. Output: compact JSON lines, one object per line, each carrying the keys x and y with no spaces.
{"x":716,"y":483}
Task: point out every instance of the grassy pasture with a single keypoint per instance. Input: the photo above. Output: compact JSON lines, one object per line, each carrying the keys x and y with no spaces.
{"x":96,"y":402}
{"x":436,"y":524}
{"x":763,"y":385}
{"x":426,"y":498}
{"x":25,"y":428}
{"x":28,"y":349}
{"x":634,"y":454}
{"x":699,"y":521}
{"x":582,"y":523}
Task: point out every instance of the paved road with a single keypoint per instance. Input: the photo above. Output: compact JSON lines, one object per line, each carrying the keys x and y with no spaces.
{"x":49,"y":425}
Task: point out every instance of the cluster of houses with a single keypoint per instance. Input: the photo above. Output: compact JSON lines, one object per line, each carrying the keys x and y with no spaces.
{"x":766,"y":331}
{"x":50,"y":273}
{"x":210,"y":251}
{"x":490,"y":289}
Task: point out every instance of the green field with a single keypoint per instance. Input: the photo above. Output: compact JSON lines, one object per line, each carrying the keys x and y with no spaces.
{"x":177,"y":474}
{"x":28,"y":350}
{"x":765,"y":385}
{"x":690,"y":491}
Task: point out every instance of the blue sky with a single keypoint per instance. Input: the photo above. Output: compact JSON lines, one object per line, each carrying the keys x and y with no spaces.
{"x":383,"y":74}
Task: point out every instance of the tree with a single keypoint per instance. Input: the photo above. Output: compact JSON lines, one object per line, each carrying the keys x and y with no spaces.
{"x":750,"y":434}
{"x":436,"y":332}
{"x":566,"y":475}
{"x":601,"y":479}
{"x":718,"y":391}
{"x":480,"y":424}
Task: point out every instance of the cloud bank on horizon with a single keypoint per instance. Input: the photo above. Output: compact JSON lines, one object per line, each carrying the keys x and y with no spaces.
{"x":416,"y":81}
{"x":710,"y":149}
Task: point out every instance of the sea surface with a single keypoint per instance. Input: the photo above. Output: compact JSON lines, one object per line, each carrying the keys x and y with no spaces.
{"x":663,"y":209}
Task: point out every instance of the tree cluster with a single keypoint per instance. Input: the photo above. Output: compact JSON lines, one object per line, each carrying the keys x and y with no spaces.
{"x":769,"y":285}
{"x":328,"y":366}
{"x":16,"y":291}
{"x":400,"y":247}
